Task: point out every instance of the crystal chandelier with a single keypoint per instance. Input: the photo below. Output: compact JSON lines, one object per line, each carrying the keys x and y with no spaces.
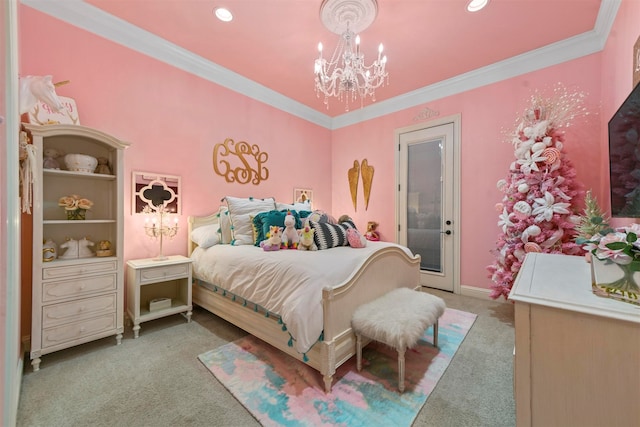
{"x":345,"y":75}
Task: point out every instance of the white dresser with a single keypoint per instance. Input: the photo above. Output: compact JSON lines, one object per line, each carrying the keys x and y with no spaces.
{"x":577,"y":355}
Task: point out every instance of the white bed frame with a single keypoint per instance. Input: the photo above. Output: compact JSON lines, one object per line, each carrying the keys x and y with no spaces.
{"x":386,"y":270}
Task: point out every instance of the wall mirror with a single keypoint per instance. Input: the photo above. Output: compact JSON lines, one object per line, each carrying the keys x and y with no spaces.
{"x":152,"y":189}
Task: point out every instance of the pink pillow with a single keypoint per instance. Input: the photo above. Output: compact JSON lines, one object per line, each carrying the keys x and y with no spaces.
{"x":355,"y":239}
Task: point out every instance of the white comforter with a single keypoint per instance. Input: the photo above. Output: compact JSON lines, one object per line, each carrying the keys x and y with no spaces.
{"x":286,"y":282}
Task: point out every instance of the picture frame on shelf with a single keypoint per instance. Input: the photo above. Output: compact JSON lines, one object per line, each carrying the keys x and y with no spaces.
{"x":301,"y":195}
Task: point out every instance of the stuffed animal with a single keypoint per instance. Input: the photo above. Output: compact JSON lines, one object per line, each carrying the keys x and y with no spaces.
{"x":290,"y":236}
{"x":273,"y":242}
{"x":306,"y":239}
{"x":371,"y":233}
{"x":355,"y":239}
{"x":50,"y":160}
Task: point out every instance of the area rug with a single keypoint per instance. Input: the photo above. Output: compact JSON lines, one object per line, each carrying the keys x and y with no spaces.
{"x":279,"y":390}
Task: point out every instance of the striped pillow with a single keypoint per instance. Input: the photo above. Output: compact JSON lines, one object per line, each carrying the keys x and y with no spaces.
{"x":327,"y":236}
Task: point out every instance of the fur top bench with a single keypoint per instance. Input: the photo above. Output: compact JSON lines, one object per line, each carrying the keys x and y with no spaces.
{"x":398,"y":319}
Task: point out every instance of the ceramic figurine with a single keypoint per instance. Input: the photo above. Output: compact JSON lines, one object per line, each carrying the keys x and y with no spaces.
{"x":49,"y":250}
{"x":71,"y":246}
{"x":83,"y":248}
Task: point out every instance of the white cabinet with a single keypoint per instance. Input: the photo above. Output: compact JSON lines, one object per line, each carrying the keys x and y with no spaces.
{"x":76,"y":300}
{"x":167,"y":280}
{"x":576,"y":354}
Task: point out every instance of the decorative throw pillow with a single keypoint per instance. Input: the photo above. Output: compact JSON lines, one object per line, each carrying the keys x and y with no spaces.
{"x":298,"y":206}
{"x":327,"y":236}
{"x":355,"y":239}
{"x":264,"y":220}
{"x":206,"y":236}
{"x":321,"y":216}
{"x":224,"y":225}
{"x":240,"y":211}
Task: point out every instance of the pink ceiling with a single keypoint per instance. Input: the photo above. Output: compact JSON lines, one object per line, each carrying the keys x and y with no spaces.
{"x":273,"y":42}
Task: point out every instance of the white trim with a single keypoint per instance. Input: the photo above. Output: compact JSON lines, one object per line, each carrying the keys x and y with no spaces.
{"x":94,"y":20}
{"x":481,"y":293}
{"x":11,"y":359}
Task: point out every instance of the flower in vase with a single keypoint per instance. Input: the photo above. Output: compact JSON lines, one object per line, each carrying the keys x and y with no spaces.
{"x":75,"y":206}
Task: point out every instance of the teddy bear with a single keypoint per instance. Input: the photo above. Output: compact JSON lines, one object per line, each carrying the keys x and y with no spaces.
{"x":103,"y":166}
{"x":306,"y":242}
{"x":371,"y":233}
{"x":273,"y":242}
{"x":290,"y":236}
{"x":50,"y":158}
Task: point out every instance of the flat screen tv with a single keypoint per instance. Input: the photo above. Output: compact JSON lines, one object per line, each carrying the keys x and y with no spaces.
{"x":624,"y":158}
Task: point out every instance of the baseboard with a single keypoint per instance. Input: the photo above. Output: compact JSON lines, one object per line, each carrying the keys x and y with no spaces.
{"x":482,"y":293}
{"x":12,"y":417}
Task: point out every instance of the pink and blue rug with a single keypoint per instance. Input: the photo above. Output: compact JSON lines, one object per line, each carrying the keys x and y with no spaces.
{"x":281,"y":391}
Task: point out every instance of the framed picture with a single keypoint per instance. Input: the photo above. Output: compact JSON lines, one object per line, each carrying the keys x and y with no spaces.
{"x":41,"y":113}
{"x":301,"y":195}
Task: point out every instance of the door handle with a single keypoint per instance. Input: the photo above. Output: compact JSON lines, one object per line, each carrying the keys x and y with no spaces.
{"x":446,"y":232}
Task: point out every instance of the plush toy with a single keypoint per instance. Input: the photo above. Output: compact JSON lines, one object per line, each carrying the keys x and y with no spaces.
{"x":273,"y":242}
{"x":371,"y":233}
{"x":355,"y":238}
{"x":50,"y":160}
{"x":306,"y":239}
{"x":290,"y":236}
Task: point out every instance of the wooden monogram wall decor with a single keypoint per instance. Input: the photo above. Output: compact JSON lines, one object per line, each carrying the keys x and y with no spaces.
{"x":240,"y":162}
{"x":367,"y":179}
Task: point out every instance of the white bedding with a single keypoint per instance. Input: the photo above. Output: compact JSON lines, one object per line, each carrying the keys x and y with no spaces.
{"x":286,"y":282}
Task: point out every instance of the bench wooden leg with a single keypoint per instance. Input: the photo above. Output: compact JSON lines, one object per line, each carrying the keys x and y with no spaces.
{"x":401,"y":369}
{"x":435,"y":334}
{"x":359,"y":352}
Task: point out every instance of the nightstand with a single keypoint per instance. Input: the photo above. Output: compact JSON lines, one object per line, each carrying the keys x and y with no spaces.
{"x":158,"y":288}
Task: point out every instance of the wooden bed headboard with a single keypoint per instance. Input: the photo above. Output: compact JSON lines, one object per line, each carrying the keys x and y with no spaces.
{"x":195,"y":222}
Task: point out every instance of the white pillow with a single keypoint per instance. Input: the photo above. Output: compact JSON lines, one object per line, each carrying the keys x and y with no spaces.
{"x":205,"y":236}
{"x":240,"y":211}
{"x":224,"y":225}
{"x":298,"y":206}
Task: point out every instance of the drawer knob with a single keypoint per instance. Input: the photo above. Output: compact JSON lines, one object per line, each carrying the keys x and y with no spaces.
{"x":82,"y":329}
{"x":82,"y":309}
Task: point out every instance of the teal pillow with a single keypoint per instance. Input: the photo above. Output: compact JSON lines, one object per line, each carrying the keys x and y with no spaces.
{"x":264,"y":220}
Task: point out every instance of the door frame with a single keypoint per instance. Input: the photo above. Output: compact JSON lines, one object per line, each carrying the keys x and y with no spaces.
{"x":455,"y":119}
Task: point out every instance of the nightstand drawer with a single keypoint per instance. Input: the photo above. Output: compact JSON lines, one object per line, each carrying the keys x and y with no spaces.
{"x":78,"y":330}
{"x":53,"y":291}
{"x":78,"y":270}
{"x":167,"y":272}
{"x":58,"y":314}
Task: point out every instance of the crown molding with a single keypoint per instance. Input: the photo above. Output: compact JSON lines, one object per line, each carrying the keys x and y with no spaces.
{"x":96,"y":21}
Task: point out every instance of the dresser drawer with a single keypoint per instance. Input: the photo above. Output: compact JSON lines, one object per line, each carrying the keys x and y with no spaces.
{"x":54,"y":291}
{"x":77,"y":330}
{"x":78,"y":269}
{"x":74,"y":311}
{"x":167,"y":272}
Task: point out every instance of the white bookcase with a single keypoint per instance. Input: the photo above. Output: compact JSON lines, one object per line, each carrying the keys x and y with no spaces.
{"x":77,"y":300}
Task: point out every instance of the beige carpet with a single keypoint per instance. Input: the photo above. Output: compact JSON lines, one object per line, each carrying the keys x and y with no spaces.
{"x":157,"y":380}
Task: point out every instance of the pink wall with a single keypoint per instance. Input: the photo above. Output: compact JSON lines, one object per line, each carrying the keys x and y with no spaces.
{"x":173,"y":120}
{"x":486,"y":113}
{"x":617,"y":81}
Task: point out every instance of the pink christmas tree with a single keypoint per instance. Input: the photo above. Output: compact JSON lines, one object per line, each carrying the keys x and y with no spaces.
{"x":538,"y":212}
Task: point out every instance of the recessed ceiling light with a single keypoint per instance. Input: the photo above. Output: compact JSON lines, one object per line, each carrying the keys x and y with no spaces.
{"x":476,"y":5}
{"x":223,"y":14}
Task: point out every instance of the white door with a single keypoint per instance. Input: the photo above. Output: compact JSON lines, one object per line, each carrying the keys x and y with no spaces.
{"x":427,"y":217}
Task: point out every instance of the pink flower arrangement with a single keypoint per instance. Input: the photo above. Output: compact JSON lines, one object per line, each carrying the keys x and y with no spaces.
{"x":74,"y":202}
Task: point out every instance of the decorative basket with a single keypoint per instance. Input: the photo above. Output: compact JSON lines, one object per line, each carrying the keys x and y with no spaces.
{"x":80,"y":163}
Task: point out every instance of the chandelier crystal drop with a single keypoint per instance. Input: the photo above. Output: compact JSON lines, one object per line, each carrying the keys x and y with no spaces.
{"x":345,"y":76}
